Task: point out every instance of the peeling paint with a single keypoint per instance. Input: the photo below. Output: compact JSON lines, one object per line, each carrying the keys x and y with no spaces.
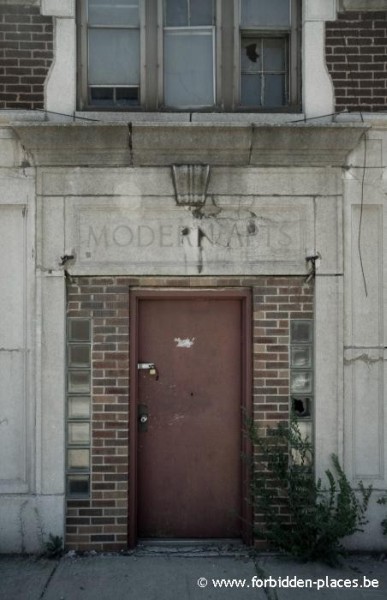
{"x":4,"y":422}
{"x":176,"y":419}
{"x":184,"y":342}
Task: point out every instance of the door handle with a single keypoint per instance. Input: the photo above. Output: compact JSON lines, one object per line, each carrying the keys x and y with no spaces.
{"x":142,"y":418}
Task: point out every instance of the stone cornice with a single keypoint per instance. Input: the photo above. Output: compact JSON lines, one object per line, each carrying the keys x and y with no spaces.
{"x":126,"y":144}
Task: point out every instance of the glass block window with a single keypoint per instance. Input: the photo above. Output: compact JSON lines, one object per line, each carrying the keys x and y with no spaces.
{"x":301,"y":374}
{"x":78,"y":427}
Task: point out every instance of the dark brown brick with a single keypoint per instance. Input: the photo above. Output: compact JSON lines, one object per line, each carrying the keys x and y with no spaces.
{"x":23,"y":34}
{"x":364,"y":49}
{"x":110,"y":404}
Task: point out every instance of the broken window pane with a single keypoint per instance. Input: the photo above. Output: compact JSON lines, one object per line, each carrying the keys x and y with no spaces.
{"x":188,"y":68}
{"x":263,"y":71}
{"x":301,"y":407}
{"x":251,"y":51}
{"x":114,"y":56}
{"x":261,"y":13}
{"x":114,"y":12}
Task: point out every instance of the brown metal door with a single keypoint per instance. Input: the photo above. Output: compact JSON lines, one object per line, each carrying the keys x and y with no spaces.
{"x":189,"y":458}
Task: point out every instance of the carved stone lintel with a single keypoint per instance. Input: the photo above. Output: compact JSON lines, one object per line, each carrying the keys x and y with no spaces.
{"x":191,"y":183}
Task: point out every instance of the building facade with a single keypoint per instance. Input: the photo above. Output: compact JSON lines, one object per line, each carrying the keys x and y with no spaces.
{"x":192,"y":226}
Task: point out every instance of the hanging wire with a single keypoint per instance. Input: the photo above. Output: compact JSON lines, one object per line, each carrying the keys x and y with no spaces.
{"x":359,"y":244}
{"x":73,"y":116}
{"x":305,"y":119}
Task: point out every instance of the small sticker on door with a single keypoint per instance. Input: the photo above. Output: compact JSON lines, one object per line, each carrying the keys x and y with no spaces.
{"x":184,"y":343}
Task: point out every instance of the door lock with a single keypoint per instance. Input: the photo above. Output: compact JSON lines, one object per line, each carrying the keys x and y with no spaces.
{"x":151,"y":367}
{"x":142,"y":418}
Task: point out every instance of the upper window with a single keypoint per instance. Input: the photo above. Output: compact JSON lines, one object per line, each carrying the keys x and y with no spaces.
{"x":189,"y":54}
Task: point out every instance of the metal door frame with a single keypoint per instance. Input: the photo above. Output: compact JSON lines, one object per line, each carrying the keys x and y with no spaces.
{"x":242,"y":294}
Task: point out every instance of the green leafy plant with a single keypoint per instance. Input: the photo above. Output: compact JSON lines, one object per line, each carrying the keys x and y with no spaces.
{"x":53,"y":548}
{"x":302,"y":516}
{"x":384,"y":522}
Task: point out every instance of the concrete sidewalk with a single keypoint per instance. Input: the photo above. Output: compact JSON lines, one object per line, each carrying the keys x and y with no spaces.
{"x":153,"y":575}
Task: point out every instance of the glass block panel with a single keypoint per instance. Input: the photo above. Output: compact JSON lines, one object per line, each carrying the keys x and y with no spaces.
{"x":301,"y":407}
{"x":274,"y":90}
{"x":114,"y":12}
{"x":301,"y":382}
{"x":188,"y":68}
{"x":78,"y":433}
{"x":301,"y":356}
{"x":79,"y":330}
{"x":261,"y":13}
{"x":79,"y":407}
{"x":301,"y":331}
{"x":274,"y":55}
{"x":201,"y":12}
{"x":114,"y":57}
{"x":306,"y":429}
{"x":251,"y":51}
{"x":78,"y":458}
{"x":78,"y":485}
{"x":251,"y":90}
{"x":78,"y":382}
{"x":79,"y":355}
{"x":176,"y":13}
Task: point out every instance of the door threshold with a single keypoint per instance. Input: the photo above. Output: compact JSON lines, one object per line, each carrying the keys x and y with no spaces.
{"x":193,"y":547}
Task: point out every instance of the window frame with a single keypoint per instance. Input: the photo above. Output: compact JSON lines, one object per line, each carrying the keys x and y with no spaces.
{"x":293,"y":58}
{"x":161,"y":28}
{"x":227,"y":60}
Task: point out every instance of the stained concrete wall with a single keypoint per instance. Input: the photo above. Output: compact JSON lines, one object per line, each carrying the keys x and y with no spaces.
{"x":72,"y":195}
{"x":97,"y":214}
{"x":31,"y":435}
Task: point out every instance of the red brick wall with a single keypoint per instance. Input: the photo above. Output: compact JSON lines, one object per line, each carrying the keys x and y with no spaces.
{"x":26,"y":40}
{"x":100,"y":523}
{"x":356,"y":55}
